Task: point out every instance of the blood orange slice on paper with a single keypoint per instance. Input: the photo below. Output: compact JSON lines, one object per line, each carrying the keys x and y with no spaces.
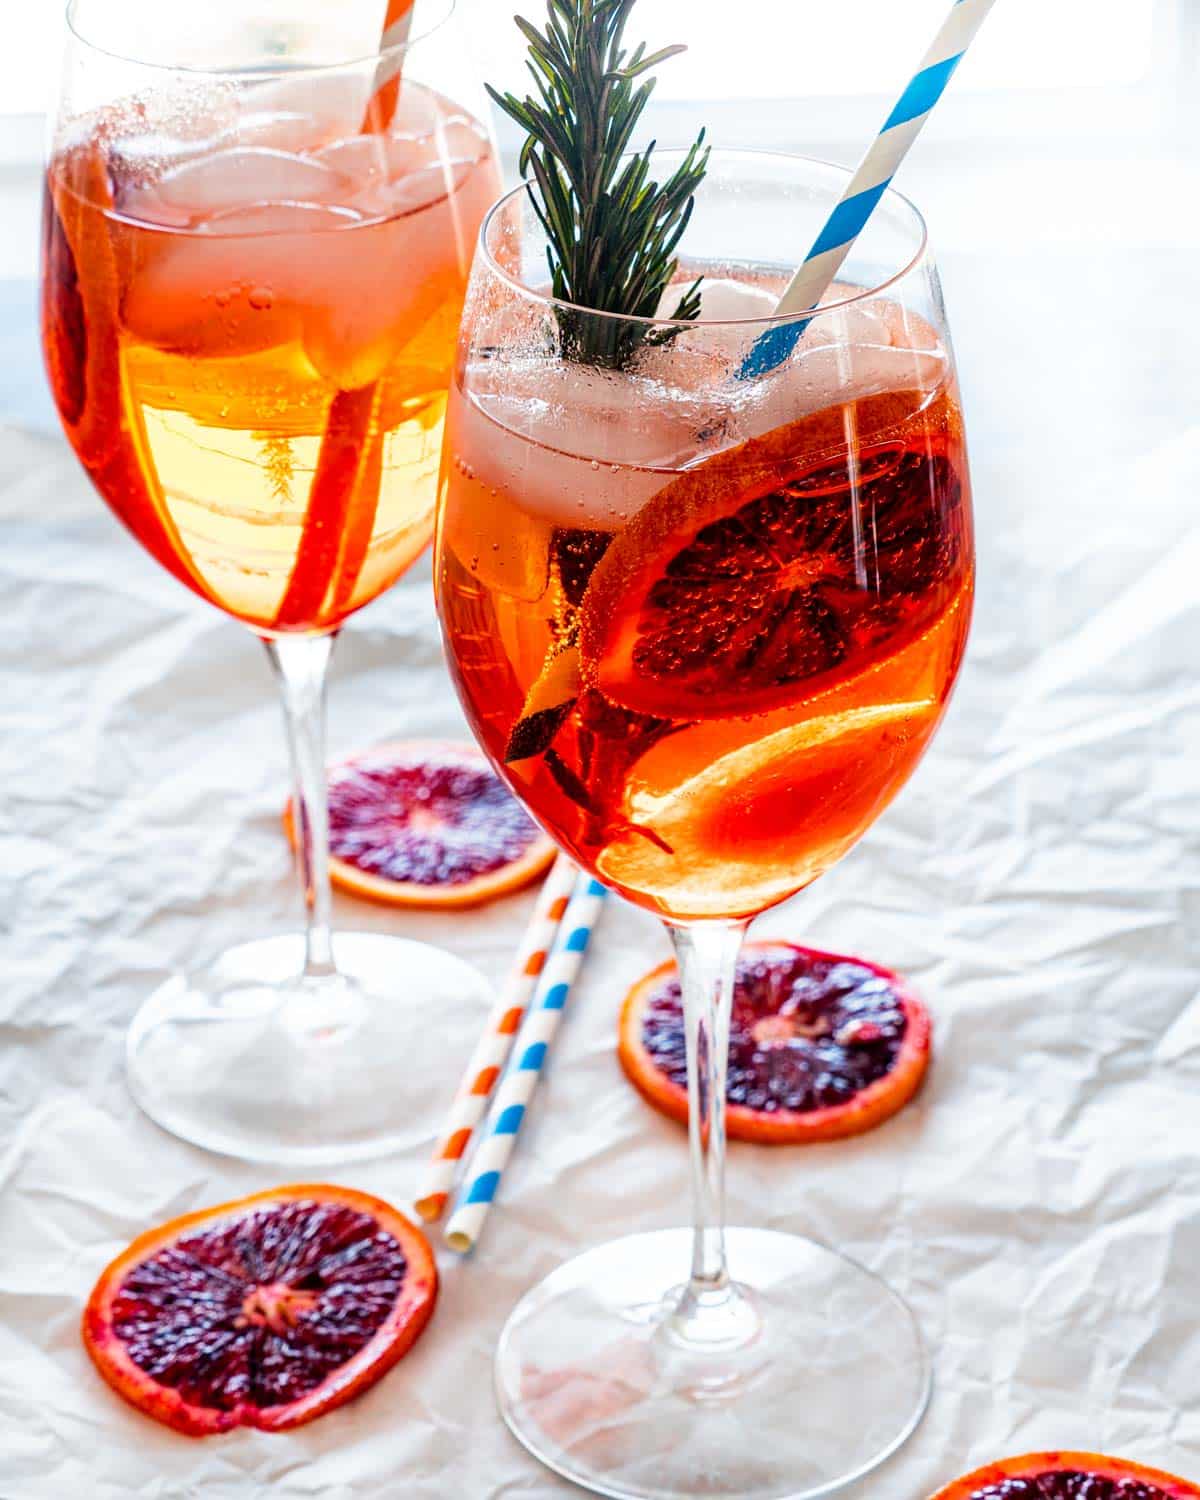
{"x":1068,"y":1476}
{"x":766,"y":574}
{"x":428,"y":825}
{"x":266,"y":1312}
{"x":821,"y":1045}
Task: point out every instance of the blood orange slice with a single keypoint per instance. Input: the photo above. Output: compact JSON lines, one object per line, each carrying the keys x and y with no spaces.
{"x":427,"y":824}
{"x":775,"y":569}
{"x":266,"y":1312}
{"x":1068,"y":1476}
{"x":820,"y":1046}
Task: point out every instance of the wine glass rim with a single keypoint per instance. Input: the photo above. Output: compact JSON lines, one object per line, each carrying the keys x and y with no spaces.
{"x":293,"y":70}
{"x":891,"y":195}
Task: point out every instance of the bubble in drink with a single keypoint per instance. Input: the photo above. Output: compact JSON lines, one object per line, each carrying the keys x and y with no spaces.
{"x":713,"y":624}
{"x":304,"y":112}
{"x":213,"y":309}
{"x":218,"y":184}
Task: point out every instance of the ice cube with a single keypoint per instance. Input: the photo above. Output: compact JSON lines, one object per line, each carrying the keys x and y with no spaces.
{"x":284,"y":130}
{"x":239,"y":280}
{"x":857,"y":351}
{"x":710,"y":348}
{"x":420,"y":110}
{"x":215,"y":295}
{"x":305,"y":111}
{"x":393,"y":176}
{"x":254,"y":219}
{"x":156,"y":132}
{"x":419,"y":255}
{"x":359,"y":157}
{"x":578,"y":445}
{"x":459,"y":139}
{"x":136,"y":162}
{"x":234,"y":178}
{"x":722,"y":299}
{"x":249,"y":275}
{"x":588,"y":447}
{"x":417,"y":190}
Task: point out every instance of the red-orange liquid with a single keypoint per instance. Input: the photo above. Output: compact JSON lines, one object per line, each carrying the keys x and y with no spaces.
{"x":259,"y":393}
{"x":707,"y":704}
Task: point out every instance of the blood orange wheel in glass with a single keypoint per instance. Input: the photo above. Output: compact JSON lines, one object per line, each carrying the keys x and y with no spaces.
{"x":821,"y":1045}
{"x":265,"y":1312}
{"x":1068,"y":1476}
{"x":427,"y":824}
{"x":740,"y":587}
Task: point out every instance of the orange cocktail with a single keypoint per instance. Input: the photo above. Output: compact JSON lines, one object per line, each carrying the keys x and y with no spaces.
{"x":250,"y":338}
{"x":708,"y":671}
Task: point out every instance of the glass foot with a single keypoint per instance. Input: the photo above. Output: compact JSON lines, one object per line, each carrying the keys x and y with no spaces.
{"x":816,"y":1375}
{"x":253,"y":1061}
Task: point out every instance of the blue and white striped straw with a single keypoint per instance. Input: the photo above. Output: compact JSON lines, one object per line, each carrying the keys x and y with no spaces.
{"x":868,"y":184}
{"x":517,"y":1088}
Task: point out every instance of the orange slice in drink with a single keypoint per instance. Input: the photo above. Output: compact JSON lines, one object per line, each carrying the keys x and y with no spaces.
{"x":1068,"y":1476}
{"x":821,"y":1045}
{"x":707,"y":814}
{"x":82,"y":336}
{"x":340,"y":515}
{"x":428,"y":824}
{"x":343,"y":500}
{"x":266,"y":1312}
{"x":783,"y":565}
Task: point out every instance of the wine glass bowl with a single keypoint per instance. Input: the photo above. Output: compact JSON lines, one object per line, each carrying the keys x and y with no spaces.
{"x":250,"y":303}
{"x":705,"y":625}
{"x":705,"y":617}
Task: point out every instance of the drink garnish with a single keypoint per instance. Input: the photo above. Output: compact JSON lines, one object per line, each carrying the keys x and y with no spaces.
{"x":1068,"y":1476}
{"x":821,"y":1045}
{"x":83,"y":343}
{"x":723,"y":597}
{"x":266,"y":1312}
{"x":611,"y":232}
{"x":611,"y":229}
{"x":349,"y":471}
{"x":427,"y":824}
{"x":345,"y":485}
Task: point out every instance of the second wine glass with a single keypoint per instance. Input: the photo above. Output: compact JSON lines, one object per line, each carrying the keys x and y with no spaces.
{"x":257,"y":241}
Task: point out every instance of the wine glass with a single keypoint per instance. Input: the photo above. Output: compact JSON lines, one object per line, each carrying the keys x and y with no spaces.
{"x":705,"y":623}
{"x":258,"y":232}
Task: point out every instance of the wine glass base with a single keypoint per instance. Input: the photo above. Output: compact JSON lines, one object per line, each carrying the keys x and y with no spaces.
{"x":252,"y":1060}
{"x":829,"y":1381}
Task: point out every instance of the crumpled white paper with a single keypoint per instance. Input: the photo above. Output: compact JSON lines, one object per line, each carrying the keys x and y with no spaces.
{"x":1040,"y":880}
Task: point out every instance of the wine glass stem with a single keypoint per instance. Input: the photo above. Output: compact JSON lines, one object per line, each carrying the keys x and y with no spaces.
{"x":301,"y":663}
{"x":707,"y":955}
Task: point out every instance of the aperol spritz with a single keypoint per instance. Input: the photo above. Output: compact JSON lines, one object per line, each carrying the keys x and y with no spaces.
{"x":258,"y":233}
{"x":707,"y":681}
{"x":705,"y":611}
{"x":249,"y":336}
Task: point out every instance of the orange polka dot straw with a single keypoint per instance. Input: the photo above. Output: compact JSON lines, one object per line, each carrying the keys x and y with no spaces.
{"x":492,"y":1049}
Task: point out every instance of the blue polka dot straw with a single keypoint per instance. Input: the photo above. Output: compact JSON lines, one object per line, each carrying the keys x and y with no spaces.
{"x":525,"y":1066}
{"x":868,"y":184}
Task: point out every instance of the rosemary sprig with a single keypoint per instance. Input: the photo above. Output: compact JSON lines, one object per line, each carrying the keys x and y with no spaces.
{"x":611,"y":229}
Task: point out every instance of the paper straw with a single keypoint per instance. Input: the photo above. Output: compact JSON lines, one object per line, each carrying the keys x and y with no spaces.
{"x":492,"y":1049}
{"x":868,"y":184}
{"x":397,"y":24}
{"x":491,"y":1157}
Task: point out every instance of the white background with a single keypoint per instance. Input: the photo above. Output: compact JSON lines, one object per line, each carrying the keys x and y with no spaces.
{"x":854,"y":47}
